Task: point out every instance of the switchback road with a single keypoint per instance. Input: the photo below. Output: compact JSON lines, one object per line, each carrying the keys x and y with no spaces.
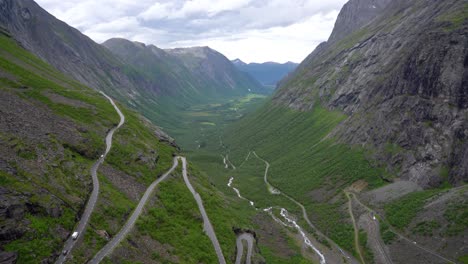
{"x":70,"y":243}
{"x":207,"y":227}
{"x":115,"y":241}
{"x":249,"y":239}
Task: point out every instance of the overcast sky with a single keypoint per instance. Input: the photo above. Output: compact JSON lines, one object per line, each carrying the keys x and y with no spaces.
{"x":252,"y":30}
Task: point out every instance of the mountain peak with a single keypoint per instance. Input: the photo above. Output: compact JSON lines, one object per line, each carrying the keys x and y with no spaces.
{"x":238,"y":62}
{"x":201,"y":52}
{"x":354,"y":15}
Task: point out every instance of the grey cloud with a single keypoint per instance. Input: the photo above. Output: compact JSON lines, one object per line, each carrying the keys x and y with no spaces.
{"x":170,"y":22}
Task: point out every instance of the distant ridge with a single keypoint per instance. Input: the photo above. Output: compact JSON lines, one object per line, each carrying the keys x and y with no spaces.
{"x":267,"y":73}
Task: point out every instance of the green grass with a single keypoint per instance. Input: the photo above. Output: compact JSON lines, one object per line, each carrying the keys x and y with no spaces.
{"x":387,"y":235}
{"x":133,"y":139}
{"x":111,"y":212}
{"x":401,"y":212}
{"x":457,"y":216}
{"x":367,"y":252}
{"x":175,"y":220}
{"x":64,"y":176}
{"x":426,"y":228}
{"x":225,"y":214}
{"x":463,"y":259}
{"x":456,"y":18}
{"x":273,"y":258}
{"x":302,"y":159}
{"x":42,"y":240}
{"x":39,"y":79}
{"x":288,"y":138}
{"x":200,"y":123}
{"x":334,"y":223}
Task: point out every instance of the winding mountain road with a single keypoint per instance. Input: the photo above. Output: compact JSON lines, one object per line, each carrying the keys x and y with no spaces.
{"x":115,"y":241}
{"x":372,"y":227}
{"x":274,"y":190}
{"x":411,"y":242}
{"x":270,"y":187}
{"x":249,"y":239}
{"x":355,"y":228}
{"x":70,"y":243}
{"x":373,"y":232}
{"x":207,"y":227}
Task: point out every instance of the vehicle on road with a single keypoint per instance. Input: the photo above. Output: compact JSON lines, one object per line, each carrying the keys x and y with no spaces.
{"x":65,"y":252}
{"x":75,"y":235}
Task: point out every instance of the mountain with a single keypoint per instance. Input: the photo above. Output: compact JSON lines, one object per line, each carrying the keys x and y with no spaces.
{"x":52,"y":130}
{"x":238,"y":62}
{"x":53,"y":127}
{"x":134,"y":83}
{"x":184,"y":77}
{"x":380,"y":110}
{"x":360,"y":152}
{"x":195,"y":73}
{"x":65,"y":48}
{"x":268,"y":73}
{"x":397,"y":86}
{"x":216,"y":69}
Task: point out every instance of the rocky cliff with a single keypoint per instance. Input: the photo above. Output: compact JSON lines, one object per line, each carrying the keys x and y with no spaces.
{"x":63,"y":46}
{"x":399,"y":72}
{"x":356,"y":14}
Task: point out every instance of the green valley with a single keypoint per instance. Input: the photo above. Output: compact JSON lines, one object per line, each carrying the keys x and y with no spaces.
{"x":128,"y":152}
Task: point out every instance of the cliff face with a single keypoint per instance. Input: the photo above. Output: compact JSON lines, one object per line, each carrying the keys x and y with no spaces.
{"x":400,"y":75}
{"x":355,"y":14}
{"x":62,"y":46}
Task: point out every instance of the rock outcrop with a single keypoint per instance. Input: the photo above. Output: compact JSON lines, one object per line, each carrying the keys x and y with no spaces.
{"x":354,"y":15}
{"x":400,"y":74}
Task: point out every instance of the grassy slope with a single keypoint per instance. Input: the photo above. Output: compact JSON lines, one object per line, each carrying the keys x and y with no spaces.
{"x":180,"y":84}
{"x":227,"y":212}
{"x":175,"y":220}
{"x":134,"y":138}
{"x":303,"y":159}
{"x":198,"y":131}
{"x":206,"y":124}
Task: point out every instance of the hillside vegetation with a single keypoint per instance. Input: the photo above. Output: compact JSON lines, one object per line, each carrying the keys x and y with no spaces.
{"x":52,"y":130}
